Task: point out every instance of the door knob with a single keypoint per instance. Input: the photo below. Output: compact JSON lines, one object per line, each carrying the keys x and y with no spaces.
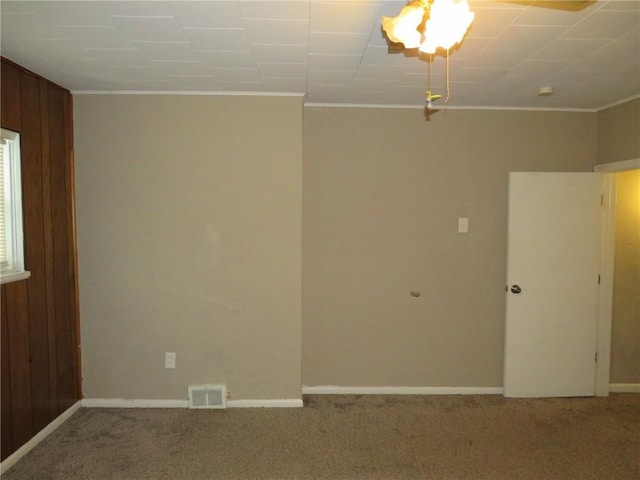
{"x":516,"y":289}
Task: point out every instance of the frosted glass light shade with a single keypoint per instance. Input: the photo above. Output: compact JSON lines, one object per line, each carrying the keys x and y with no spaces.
{"x":448,"y":22}
{"x":404,"y":28}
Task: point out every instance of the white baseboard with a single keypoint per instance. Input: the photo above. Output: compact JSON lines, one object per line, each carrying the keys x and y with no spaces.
{"x":133,"y":403}
{"x":337,"y":390}
{"x":624,"y":387}
{"x":144,"y":403}
{"x":284,"y":403}
{"x":12,"y":459}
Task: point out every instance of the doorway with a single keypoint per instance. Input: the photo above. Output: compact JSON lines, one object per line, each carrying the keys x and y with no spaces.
{"x":609,"y":345}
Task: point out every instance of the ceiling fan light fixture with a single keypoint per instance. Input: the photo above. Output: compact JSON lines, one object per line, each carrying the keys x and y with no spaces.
{"x":429,"y":24}
{"x":448,"y":22}
{"x":404,"y":28}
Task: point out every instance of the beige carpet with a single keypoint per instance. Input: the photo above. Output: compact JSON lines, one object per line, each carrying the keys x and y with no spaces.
{"x":351,"y":437}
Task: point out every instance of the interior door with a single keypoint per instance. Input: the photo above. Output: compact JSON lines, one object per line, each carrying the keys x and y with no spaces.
{"x":552,"y":284}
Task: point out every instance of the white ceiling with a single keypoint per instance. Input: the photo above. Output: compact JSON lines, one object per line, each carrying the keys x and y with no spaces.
{"x":332,"y":51}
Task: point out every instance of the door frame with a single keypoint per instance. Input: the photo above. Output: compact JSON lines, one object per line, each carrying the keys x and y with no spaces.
{"x":607,"y":256}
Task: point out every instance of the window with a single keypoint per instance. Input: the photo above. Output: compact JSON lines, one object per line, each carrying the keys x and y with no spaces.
{"x":11,"y":243}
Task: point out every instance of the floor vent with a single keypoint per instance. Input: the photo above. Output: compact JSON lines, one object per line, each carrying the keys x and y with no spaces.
{"x":207,"y":396}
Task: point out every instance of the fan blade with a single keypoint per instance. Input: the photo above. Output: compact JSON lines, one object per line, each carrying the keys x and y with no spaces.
{"x":569,"y":5}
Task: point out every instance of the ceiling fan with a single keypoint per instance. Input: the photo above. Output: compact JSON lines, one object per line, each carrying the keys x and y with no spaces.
{"x":428,"y":26}
{"x":570,"y":5}
{"x":416,"y":16}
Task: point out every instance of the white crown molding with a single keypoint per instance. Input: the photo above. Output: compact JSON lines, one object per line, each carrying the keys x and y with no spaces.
{"x":334,"y":105}
{"x":187,"y":93}
{"x":630,"y":164}
{"x":448,"y":107}
{"x":619,"y":102}
{"x":345,"y":390}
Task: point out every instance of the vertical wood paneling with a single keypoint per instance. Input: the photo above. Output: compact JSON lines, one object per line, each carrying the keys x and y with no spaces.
{"x":59,"y":199}
{"x":48,"y":245}
{"x":10,"y":97}
{"x":40,"y":325}
{"x":70,"y":188}
{"x":6,"y":425}
{"x":31,"y":156}
{"x":19,"y":360}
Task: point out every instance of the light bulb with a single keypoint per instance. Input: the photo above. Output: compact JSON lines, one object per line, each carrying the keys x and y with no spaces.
{"x":404,"y":28}
{"x":448,"y":22}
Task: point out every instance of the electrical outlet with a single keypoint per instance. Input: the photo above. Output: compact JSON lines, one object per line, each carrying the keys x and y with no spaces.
{"x":170,"y":360}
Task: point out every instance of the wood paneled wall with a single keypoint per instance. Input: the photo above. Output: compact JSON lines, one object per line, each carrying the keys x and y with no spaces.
{"x":40,"y":326}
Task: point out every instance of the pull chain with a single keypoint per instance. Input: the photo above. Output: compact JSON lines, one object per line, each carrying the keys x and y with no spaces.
{"x":447,"y":99}
{"x":430,"y":62}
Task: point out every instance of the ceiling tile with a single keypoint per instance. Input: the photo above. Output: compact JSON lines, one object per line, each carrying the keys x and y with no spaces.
{"x":333,"y":62}
{"x":218,"y":38}
{"x":337,"y":43}
{"x":16,"y":7}
{"x":622,"y":5}
{"x":240,"y":86}
{"x":537,"y":68}
{"x":607,"y":25}
{"x":275,"y":10}
{"x":377,"y":72}
{"x":149,"y":29}
{"x":495,"y":58}
{"x":567,"y":49}
{"x":330,"y":76}
{"x":279,"y":53}
{"x":334,"y":50}
{"x":538,"y":15}
{"x":167,"y":50}
{"x":601,"y":60}
{"x":28,"y":25}
{"x":173,"y":67}
{"x":72,"y":13}
{"x":285,"y":84}
{"x":226,"y":58}
{"x":282,"y":69}
{"x":199,"y":84}
{"x":55,"y":48}
{"x":277,"y":32}
{"x":134,"y":72}
{"x":244,"y":75}
{"x":206,"y":14}
{"x":344,"y":17}
{"x":490,"y":22}
{"x":140,"y":8}
{"x":117,"y":56}
{"x":524,"y":38}
{"x":97,"y":37}
{"x":482,"y":74}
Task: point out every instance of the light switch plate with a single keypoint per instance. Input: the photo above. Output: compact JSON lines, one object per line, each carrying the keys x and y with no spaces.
{"x":463,"y":225}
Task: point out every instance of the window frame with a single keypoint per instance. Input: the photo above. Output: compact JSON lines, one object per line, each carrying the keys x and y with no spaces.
{"x":13,"y":269}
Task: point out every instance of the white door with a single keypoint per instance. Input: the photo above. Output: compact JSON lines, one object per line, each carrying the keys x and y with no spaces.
{"x":552,"y":284}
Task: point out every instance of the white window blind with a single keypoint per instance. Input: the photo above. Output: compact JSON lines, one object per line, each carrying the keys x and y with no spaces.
{"x":3,"y":226}
{"x":11,"y":240}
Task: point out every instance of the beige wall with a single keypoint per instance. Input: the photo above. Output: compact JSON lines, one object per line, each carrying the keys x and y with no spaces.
{"x":189,"y":239}
{"x":619,"y":133}
{"x":625,"y":332}
{"x":383,"y":189}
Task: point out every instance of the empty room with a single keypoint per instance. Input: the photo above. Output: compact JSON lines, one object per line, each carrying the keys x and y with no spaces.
{"x":320,"y":239}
